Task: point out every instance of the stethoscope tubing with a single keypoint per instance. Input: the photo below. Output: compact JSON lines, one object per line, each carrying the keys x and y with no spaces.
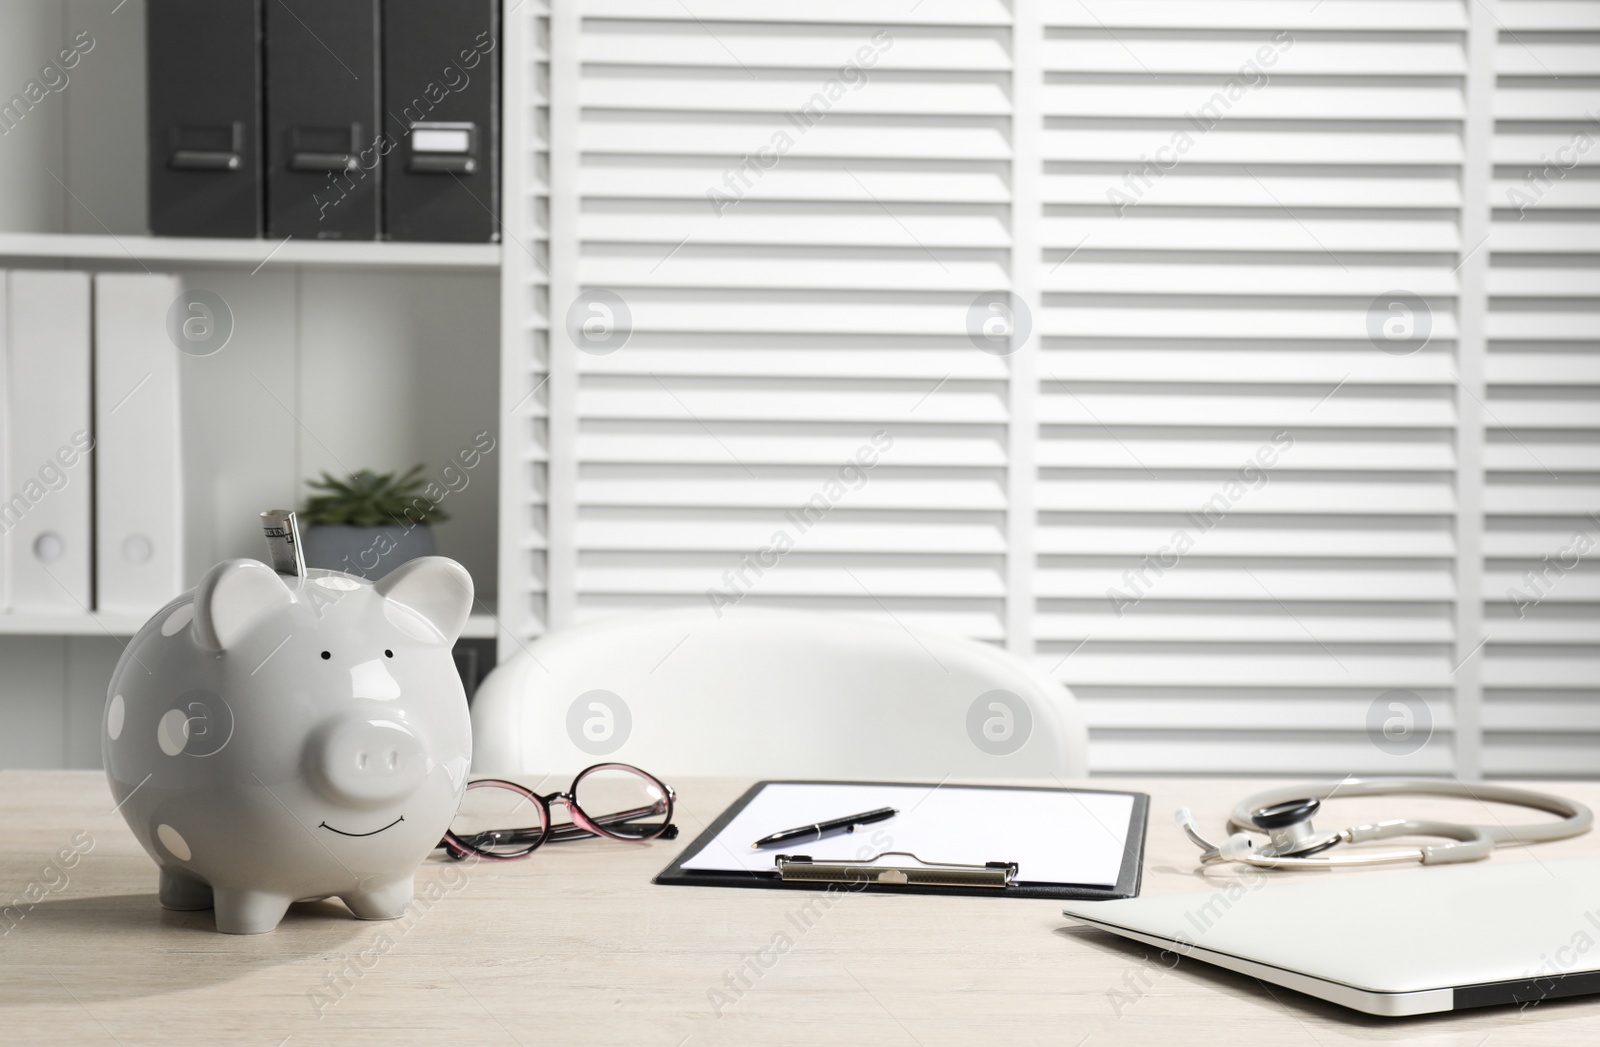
{"x":1575,"y":817}
{"x":1471,"y":842}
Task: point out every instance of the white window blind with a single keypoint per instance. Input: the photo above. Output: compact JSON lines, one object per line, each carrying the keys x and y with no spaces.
{"x":526,"y":519}
{"x":796,"y":204}
{"x":1302,"y":164}
{"x":1287,"y":371}
{"x":1542,"y":412}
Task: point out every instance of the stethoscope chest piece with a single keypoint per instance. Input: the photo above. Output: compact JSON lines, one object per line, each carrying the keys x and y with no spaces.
{"x":1289,"y":830}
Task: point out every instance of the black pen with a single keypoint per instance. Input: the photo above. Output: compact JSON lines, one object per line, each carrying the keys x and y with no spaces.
{"x":831,"y":827}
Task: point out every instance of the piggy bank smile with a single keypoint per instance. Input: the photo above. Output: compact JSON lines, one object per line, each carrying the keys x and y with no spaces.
{"x":272,"y":738}
{"x":341,"y":832}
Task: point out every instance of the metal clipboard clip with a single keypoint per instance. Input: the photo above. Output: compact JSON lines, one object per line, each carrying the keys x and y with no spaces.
{"x":800,"y":868}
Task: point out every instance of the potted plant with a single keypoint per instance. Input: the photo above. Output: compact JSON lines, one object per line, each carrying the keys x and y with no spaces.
{"x":368,"y":523}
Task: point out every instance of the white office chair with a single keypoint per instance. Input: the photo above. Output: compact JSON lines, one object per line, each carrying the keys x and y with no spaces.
{"x":773,"y":693}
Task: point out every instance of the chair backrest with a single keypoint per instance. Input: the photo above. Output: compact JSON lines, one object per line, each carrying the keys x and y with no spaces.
{"x":773,"y":693}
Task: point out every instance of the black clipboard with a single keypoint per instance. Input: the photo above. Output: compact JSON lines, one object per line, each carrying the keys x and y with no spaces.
{"x":1128,"y":877}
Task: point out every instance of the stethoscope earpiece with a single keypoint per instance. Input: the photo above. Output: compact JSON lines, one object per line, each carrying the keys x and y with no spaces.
{"x":1237,"y":848}
{"x":1284,"y":817}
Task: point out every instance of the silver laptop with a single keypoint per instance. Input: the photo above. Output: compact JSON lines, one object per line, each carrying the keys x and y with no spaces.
{"x":1514,"y":929}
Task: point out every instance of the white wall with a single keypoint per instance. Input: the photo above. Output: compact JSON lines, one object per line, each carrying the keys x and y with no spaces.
{"x":53,"y":699}
{"x":75,"y":161}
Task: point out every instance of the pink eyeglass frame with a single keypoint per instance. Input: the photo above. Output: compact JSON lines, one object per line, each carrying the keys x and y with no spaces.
{"x":582,"y":825}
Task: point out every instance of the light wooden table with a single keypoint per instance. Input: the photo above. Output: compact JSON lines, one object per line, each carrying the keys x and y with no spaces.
{"x":575,"y":946}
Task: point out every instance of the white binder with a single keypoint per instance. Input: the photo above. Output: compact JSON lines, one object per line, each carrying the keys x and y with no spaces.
{"x":46,"y":512}
{"x":138,"y":453}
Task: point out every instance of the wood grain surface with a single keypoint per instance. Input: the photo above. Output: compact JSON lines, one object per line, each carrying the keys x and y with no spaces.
{"x":576,"y":946}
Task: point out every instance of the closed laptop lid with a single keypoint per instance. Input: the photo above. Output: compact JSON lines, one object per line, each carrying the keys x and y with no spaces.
{"x":1515,"y":917}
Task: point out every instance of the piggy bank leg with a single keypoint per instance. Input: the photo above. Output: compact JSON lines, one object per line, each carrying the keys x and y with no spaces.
{"x":183,"y":893}
{"x":384,"y":902}
{"x":248,"y":912}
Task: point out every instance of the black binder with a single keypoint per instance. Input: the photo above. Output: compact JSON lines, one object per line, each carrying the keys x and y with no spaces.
{"x":904,"y":872}
{"x":441,"y":109}
{"x":323,"y":156}
{"x":204,"y":99}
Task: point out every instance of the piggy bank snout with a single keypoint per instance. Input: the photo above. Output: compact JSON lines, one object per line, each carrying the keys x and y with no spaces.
{"x":365,"y":761}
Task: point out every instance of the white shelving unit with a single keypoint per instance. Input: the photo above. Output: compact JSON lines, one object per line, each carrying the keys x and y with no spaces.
{"x":118,"y":626}
{"x":84,"y":247}
{"x":344,"y":355}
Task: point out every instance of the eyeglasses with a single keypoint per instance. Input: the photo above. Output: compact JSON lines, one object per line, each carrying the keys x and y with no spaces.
{"x":614,"y":800}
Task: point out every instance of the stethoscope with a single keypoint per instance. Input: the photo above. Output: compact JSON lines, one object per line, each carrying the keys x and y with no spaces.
{"x":1284,"y":816}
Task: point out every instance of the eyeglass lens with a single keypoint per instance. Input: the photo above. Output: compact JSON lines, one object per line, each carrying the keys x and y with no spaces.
{"x":621,"y":801}
{"x":498,"y":820}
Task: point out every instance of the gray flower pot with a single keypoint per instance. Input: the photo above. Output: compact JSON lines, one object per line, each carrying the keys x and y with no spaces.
{"x":370,"y":552}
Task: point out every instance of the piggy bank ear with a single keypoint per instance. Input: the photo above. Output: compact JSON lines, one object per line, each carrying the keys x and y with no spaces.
{"x":232,"y":597}
{"x":436,"y":587}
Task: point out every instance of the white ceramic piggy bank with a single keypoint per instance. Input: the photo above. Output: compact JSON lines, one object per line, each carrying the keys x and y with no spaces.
{"x":273,"y":738}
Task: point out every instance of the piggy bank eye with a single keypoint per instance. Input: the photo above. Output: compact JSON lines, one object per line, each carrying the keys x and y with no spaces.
{"x":388,"y":653}
{"x":326,"y":655}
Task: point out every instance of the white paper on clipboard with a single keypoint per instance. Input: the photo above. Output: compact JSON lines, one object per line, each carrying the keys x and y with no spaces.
{"x":1055,"y":836}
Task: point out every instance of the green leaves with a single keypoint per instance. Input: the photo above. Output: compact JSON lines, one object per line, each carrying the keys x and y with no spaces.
{"x":369,"y":499}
